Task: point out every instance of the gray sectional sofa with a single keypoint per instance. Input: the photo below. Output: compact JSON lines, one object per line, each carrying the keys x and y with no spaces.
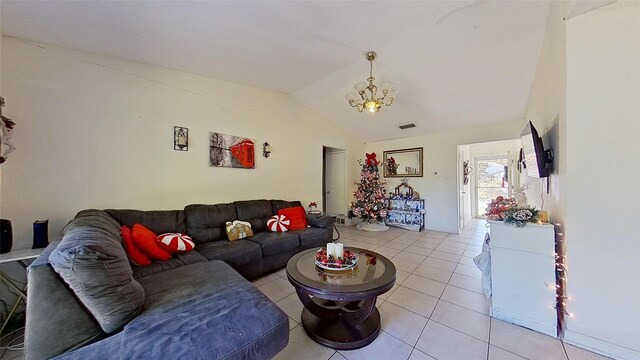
{"x":196,"y":305}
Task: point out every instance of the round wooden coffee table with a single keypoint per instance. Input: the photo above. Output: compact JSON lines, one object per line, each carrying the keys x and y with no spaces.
{"x":340,"y":306}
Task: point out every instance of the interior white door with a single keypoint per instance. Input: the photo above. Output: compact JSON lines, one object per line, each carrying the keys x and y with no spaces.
{"x":335,"y":183}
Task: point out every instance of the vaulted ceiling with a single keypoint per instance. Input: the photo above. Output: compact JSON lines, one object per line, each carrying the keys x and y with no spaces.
{"x":455,"y":63}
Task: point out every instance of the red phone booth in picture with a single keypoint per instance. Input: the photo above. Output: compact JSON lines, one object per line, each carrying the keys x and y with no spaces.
{"x":244,"y":153}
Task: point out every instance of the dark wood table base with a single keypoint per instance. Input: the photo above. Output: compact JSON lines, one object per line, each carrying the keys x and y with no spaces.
{"x":340,"y":305}
{"x":340,"y":325}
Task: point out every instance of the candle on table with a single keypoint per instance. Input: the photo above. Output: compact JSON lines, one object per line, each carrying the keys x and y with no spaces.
{"x":331,"y":249}
{"x":339,"y":249}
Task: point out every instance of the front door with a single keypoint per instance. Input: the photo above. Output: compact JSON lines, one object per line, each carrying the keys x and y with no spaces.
{"x":492,"y":180}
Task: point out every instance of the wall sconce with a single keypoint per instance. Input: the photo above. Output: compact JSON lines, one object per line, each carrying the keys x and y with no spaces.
{"x":180,"y":138}
{"x":266,"y":149}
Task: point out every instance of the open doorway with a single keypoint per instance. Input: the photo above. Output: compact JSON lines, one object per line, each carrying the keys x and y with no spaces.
{"x":334,"y":181}
{"x":490,"y":172}
{"x":491,"y":180}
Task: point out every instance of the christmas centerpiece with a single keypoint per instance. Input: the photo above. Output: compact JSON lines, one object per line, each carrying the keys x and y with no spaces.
{"x":313,"y":208}
{"x":368,"y":203}
{"x":497,"y":208}
{"x":521,"y":216}
{"x":334,"y":257}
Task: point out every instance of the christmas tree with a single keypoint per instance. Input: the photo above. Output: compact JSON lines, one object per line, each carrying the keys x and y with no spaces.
{"x":368,"y":204}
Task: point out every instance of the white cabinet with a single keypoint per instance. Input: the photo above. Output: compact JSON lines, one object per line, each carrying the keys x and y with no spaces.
{"x":523,"y":275}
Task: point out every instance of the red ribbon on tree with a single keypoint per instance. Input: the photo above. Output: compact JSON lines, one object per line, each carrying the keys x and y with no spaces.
{"x":371,"y":159}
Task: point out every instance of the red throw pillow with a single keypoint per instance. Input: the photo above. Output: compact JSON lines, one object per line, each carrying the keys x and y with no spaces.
{"x":134,"y":254}
{"x":296,"y":215}
{"x":145,"y":240}
{"x":278,"y":223}
{"x":175,"y":242}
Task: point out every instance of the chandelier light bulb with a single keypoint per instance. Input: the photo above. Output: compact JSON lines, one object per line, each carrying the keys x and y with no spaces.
{"x":372,"y":106}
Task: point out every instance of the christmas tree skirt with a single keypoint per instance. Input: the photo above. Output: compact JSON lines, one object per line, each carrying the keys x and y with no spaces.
{"x":367,"y":226}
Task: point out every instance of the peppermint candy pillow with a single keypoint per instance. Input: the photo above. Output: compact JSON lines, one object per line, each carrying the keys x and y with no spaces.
{"x":175,"y":242}
{"x":278,"y":223}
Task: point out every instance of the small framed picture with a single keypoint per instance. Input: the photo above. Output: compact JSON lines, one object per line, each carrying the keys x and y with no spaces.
{"x":180,"y":138}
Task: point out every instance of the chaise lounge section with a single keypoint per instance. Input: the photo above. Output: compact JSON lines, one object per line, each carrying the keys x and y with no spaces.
{"x":198,"y":304}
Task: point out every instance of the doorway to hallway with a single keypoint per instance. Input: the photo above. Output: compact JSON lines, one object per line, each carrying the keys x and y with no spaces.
{"x":334,"y":184}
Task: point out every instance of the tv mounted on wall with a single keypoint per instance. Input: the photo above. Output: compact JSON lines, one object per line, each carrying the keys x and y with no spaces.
{"x":537,"y":161}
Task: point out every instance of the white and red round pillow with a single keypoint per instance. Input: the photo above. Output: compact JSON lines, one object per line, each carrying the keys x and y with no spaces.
{"x":278,"y":223}
{"x":175,"y":242}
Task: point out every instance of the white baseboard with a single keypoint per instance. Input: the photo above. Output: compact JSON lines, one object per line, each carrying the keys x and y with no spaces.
{"x":600,"y":346}
{"x":546,"y":327}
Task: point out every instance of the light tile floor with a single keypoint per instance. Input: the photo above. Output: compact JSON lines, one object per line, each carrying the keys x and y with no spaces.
{"x":436,"y":310}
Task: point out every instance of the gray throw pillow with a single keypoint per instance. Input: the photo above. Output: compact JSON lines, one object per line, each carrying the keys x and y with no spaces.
{"x":95,"y":266}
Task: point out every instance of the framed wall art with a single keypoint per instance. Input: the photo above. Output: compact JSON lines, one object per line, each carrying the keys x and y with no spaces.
{"x":403,"y":162}
{"x":180,"y":138}
{"x":231,"y":151}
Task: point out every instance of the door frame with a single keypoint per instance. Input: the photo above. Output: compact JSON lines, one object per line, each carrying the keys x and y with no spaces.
{"x":330,"y":149}
{"x":474,"y":187}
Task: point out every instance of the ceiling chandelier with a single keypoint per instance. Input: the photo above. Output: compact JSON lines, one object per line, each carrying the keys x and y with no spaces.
{"x":366,"y":96}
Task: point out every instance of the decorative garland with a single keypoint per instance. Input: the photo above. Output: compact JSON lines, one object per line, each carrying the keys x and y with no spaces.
{"x":520,"y":216}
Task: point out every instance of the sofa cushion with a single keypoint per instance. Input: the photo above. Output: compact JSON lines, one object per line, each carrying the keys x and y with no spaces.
{"x":57,"y":322}
{"x":275,"y":242}
{"x":201,"y":311}
{"x":282,"y":204}
{"x":234,"y":253}
{"x":312,"y":236}
{"x":256,"y":212}
{"x":145,"y":240}
{"x":158,"y":221}
{"x":95,"y":266}
{"x":321,"y":221}
{"x":206,"y":223}
{"x":136,"y":256}
{"x":96,"y":219}
{"x":178,"y":260}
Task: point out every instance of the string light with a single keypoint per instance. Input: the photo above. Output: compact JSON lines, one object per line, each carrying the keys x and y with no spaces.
{"x":561,"y":276}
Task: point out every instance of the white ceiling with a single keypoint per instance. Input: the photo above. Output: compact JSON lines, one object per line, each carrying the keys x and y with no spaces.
{"x":455,"y":63}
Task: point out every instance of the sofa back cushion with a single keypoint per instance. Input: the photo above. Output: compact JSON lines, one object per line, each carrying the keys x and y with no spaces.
{"x":206,"y":223}
{"x":57,"y":322}
{"x":158,"y":221}
{"x":282,"y":204}
{"x":255,"y":212}
{"x":92,"y":261}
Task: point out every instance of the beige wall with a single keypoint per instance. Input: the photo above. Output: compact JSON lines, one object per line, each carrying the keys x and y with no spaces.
{"x":440,"y":156}
{"x":547,"y":110}
{"x":603,"y":168}
{"x":97,"y":132}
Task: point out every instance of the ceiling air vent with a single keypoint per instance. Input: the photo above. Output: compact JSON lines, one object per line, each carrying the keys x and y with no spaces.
{"x":407,"y":126}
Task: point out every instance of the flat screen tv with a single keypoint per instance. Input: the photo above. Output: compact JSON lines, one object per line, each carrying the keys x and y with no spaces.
{"x":537,"y":161}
